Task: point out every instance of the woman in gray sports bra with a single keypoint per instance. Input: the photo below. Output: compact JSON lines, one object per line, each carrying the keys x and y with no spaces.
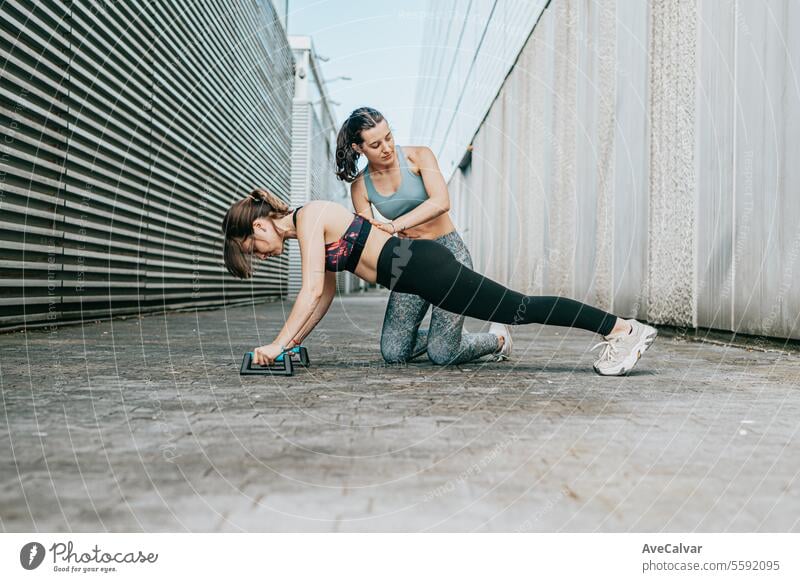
{"x":417,"y":206}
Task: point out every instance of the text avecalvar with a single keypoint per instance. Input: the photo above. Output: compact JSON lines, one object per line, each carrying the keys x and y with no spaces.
{"x":671,"y":549}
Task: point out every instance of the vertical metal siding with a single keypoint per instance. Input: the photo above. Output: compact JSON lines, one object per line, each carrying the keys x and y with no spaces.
{"x":130,"y":128}
{"x":766,"y":180}
{"x":714,"y":139}
{"x":631,"y":175}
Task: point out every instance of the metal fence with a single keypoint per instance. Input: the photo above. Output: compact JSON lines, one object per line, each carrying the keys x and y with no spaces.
{"x":128,"y":128}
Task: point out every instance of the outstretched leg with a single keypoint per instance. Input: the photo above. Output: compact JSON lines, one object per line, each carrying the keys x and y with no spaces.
{"x":429,"y":270}
{"x":432,"y":272}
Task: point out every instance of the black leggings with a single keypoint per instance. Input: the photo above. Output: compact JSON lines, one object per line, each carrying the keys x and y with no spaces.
{"x":428,"y":269}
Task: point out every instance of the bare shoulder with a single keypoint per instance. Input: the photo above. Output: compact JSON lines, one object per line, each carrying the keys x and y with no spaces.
{"x":323,"y":206}
{"x":420,"y":158}
{"x":318,"y":210}
{"x":415,"y":153}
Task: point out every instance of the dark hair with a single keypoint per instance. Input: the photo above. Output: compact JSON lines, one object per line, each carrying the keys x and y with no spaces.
{"x":350,"y":133}
{"x":238,"y":225}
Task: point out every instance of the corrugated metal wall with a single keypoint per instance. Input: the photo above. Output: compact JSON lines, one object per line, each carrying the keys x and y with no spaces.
{"x":641,"y":157}
{"x":129,"y":127}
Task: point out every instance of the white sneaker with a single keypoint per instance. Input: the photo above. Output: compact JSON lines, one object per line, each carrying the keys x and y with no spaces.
{"x":504,"y":332}
{"x":622,"y":351}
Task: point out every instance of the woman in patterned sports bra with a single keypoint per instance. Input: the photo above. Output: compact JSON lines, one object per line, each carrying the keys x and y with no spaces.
{"x":332,"y":238}
{"x":340,"y":254}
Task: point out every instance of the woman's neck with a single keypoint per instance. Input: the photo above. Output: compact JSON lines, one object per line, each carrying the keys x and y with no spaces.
{"x":285,"y":226}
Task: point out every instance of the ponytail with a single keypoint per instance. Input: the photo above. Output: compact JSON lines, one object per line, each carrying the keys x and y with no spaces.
{"x":350,"y":133}
{"x":274,"y":206}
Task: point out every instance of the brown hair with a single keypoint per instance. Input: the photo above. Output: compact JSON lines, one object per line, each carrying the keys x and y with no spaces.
{"x":350,"y":133}
{"x":238,"y":225}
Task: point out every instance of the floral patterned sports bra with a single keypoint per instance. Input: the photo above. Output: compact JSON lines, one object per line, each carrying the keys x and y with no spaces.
{"x":344,"y":254}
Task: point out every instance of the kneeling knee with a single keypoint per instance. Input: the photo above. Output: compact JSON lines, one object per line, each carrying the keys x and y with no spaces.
{"x":393,"y":354}
{"x":441,"y":355}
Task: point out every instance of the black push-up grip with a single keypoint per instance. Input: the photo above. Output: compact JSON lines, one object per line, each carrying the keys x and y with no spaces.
{"x":282,"y":366}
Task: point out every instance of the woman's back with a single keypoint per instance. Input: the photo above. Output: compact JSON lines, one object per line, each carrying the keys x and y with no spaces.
{"x":335,"y":220}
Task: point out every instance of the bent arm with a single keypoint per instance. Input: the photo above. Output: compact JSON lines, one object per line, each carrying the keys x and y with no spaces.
{"x":438,"y":201}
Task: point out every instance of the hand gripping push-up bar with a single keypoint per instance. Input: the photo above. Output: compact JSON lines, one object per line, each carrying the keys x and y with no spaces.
{"x":282,"y":366}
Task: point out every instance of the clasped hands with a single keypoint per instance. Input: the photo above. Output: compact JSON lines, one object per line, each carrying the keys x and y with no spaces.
{"x":390,"y":227}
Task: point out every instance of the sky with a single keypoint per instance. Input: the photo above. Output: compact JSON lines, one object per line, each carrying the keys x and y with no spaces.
{"x":376,"y":43}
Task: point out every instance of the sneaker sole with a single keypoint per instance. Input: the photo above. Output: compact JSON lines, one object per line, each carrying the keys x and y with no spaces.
{"x":640,"y":348}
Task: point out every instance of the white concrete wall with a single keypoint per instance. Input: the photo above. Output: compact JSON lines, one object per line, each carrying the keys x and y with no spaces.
{"x":642,"y":157}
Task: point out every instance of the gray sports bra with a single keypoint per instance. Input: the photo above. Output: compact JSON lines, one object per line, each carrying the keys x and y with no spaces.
{"x":410,"y":194}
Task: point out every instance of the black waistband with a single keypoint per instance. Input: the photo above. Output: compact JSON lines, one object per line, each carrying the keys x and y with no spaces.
{"x":358,"y":245}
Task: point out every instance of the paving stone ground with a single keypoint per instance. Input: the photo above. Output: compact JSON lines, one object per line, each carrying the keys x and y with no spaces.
{"x":144,"y":424}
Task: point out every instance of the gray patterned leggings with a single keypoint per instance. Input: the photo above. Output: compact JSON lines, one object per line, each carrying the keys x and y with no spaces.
{"x":402,"y":340}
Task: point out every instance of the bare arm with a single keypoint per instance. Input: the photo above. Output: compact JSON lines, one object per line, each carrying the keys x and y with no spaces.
{"x":311,"y":235}
{"x":358,"y":194}
{"x":328,"y":293}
